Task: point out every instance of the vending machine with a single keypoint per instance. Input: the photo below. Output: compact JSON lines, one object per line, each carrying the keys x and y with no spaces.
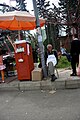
{"x":24,"y":59}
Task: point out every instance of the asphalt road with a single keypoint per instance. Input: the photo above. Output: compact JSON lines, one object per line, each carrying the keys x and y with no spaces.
{"x":40,"y":105}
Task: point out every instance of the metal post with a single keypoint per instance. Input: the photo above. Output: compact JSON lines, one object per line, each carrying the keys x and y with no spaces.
{"x":40,"y":39}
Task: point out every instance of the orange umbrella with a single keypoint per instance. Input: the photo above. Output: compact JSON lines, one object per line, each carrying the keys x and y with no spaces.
{"x":19,"y":20}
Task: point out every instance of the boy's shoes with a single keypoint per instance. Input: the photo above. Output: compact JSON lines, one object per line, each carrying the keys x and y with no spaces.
{"x":73,"y":74}
{"x":53,"y":78}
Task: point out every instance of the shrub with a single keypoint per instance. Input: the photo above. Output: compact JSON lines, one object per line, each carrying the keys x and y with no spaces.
{"x":63,"y":62}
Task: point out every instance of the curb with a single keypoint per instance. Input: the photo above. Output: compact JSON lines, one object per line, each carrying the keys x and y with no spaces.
{"x":65,"y":83}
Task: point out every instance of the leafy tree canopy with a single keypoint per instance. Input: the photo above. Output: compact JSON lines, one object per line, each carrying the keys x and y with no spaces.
{"x":21,"y":5}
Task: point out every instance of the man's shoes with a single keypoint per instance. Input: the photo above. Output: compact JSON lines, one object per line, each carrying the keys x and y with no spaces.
{"x":73,"y":74}
{"x":53,"y":78}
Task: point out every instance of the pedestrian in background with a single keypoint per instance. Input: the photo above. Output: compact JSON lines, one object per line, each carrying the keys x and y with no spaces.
{"x":75,"y":51}
{"x":65,"y":53}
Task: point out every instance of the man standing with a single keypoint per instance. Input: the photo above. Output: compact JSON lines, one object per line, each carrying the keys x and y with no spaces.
{"x":75,"y":51}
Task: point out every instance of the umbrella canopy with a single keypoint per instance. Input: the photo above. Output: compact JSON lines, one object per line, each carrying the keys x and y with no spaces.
{"x":19,"y":20}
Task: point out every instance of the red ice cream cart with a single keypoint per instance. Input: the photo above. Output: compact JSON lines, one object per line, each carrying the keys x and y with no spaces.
{"x":24,"y":59}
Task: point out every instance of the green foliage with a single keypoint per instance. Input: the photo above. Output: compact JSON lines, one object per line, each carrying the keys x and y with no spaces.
{"x":43,"y":7}
{"x":63,"y":62}
{"x":4,"y":8}
{"x":52,"y":16}
{"x":68,"y":9}
{"x":10,"y":46}
{"x":21,"y":5}
{"x":69,"y":12}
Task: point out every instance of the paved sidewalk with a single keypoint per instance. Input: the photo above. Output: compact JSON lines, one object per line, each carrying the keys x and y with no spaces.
{"x":63,"y":82}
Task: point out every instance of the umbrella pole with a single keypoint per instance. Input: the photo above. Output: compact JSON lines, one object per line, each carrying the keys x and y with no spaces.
{"x":19,"y":35}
